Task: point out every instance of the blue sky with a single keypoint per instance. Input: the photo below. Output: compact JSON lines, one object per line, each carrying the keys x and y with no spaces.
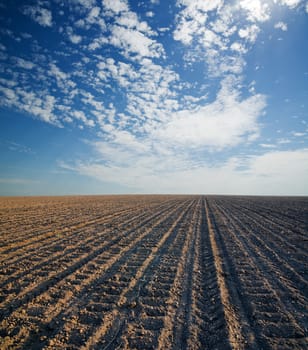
{"x":187,"y":96}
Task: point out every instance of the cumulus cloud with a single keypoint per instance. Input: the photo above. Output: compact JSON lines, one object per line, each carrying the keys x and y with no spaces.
{"x":62,"y":79}
{"x":221,"y":33}
{"x":298,"y":134}
{"x":130,"y":20}
{"x":7,"y":93}
{"x":192,"y":19}
{"x":227,"y":121}
{"x":85,"y":3}
{"x":116,"y":6}
{"x":97,"y":43}
{"x":249,"y":33}
{"x":75,"y":39}
{"x":199,"y":5}
{"x":161,"y":127}
{"x":123,"y":73}
{"x":158,"y":160}
{"x":134,"y":43}
{"x":290,"y":3}
{"x":221,"y":42}
{"x":279,"y":171}
{"x":125,"y":31}
{"x":25,"y":64}
{"x":146,"y":86}
{"x":281,"y":25}
{"x":80,"y":115}
{"x":236,"y":46}
{"x":267,"y":145}
{"x":257,"y":10}
{"x":273,"y":172}
{"x":56,"y":72}
{"x":40,"y":15}
{"x":42,"y":107}
{"x":93,"y":14}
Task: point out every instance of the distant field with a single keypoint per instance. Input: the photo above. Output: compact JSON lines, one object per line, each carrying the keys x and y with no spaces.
{"x":153,"y":272}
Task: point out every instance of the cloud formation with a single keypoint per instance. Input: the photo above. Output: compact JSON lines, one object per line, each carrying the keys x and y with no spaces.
{"x":39,"y":14}
{"x":134,"y":88}
{"x":281,"y":25}
{"x":267,"y":174}
{"x":226,"y":122}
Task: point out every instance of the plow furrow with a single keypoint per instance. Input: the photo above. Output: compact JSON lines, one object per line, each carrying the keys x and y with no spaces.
{"x":153,"y":272}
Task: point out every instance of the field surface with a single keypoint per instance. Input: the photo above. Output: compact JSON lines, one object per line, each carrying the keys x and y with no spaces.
{"x":153,"y":272}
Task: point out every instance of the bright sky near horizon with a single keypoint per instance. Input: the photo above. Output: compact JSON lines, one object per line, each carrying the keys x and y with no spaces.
{"x":156,"y":96}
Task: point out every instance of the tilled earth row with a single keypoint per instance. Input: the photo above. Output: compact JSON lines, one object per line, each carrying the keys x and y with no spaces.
{"x":153,"y":272}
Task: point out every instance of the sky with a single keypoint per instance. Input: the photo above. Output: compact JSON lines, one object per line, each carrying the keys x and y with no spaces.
{"x":156,"y":96}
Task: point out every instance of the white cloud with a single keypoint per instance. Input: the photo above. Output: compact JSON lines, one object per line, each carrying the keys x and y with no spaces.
{"x":249,"y":33}
{"x":40,"y":106}
{"x":256,"y":9}
{"x":130,"y":20}
{"x":40,"y":15}
{"x":191,"y":21}
{"x":17,"y":147}
{"x":283,"y":141}
{"x":154,"y":121}
{"x":9,"y":83}
{"x":56,"y":72}
{"x":185,"y":32}
{"x":94,"y":17}
{"x":122,"y":72}
{"x":267,"y":145}
{"x":290,"y":3}
{"x":97,"y":43}
{"x":272,"y":173}
{"x":236,"y":46}
{"x":216,"y":41}
{"x":127,"y":33}
{"x":135,"y":44}
{"x":280,"y":172}
{"x":227,"y":121}
{"x":75,"y":39}
{"x":86,"y":3}
{"x":298,"y":134}
{"x":89,"y":99}
{"x":93,"y":14}
{"x":200,"y":5}
{"x":281,"y":25}
{"x":20,"y":62}
{"x":62,"y":79}
{"x":8,"y":93}
{"x":221,"y":33}
{"x":306,"y":7}
{"x":26,"y":36}
{"x":80,"y":115}
{"x":116,"y":6}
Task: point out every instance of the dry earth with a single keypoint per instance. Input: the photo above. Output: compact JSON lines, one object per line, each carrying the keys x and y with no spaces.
{"x":153,"y":272}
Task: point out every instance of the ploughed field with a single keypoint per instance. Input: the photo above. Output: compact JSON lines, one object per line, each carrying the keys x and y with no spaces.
{"x":153,"y":272}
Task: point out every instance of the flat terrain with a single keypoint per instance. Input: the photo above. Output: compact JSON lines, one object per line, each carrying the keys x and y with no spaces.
{"x":153,"y":272}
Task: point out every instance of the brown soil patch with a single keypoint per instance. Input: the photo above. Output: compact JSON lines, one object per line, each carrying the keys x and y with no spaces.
{"x":153,"y":272}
